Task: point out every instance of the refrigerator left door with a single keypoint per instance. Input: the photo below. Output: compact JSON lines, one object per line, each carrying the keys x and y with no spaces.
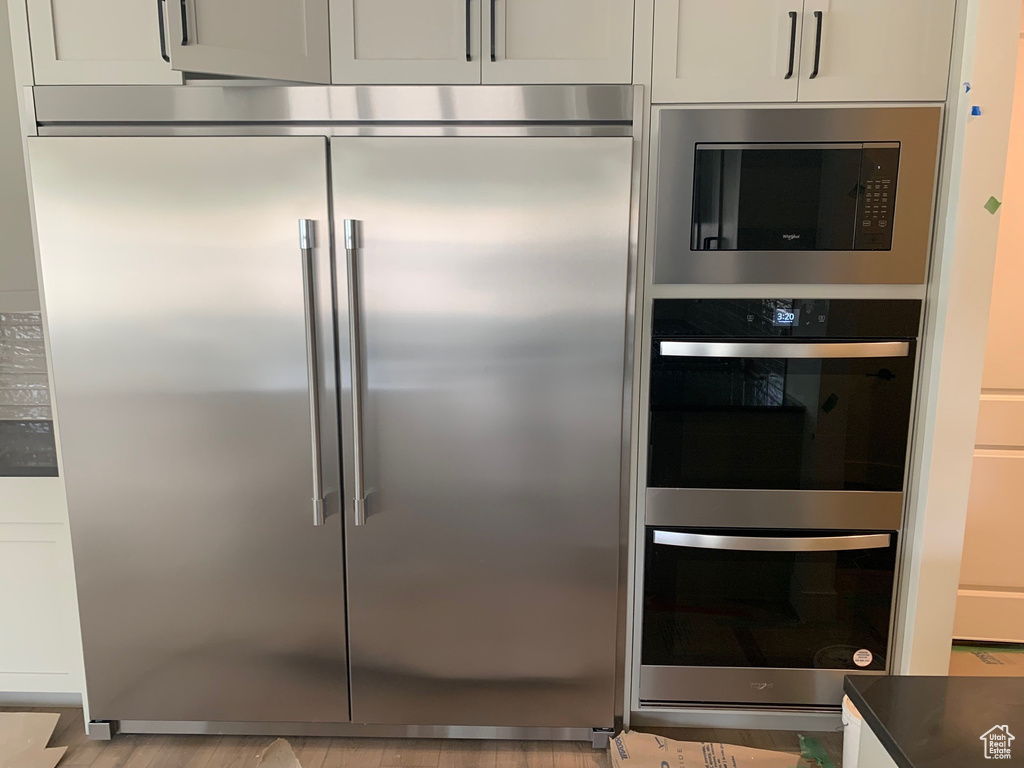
{"x":175,"y":298}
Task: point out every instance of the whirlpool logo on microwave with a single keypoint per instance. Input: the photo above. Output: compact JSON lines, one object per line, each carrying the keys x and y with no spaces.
{"x":791,"y":237}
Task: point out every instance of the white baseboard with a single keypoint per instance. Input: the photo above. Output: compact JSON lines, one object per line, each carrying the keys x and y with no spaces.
{"x":989,"y":615}
{"x":12,"y":699}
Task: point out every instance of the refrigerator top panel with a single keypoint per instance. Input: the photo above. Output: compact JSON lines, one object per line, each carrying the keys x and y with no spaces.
{"x":57,"y":107}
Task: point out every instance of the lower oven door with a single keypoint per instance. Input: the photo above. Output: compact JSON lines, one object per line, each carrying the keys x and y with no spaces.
{"x":763,"y":616}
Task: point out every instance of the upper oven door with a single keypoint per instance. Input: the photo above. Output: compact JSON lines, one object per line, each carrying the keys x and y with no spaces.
{"x":771,"y":415}
{"x":795,"y":196}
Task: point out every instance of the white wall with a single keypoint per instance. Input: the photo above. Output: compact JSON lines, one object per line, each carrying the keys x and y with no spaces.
{"x":990,"y":603}
{"x":40,"y":641}
{"x":956,"y":324}
{"x":18,"y":291}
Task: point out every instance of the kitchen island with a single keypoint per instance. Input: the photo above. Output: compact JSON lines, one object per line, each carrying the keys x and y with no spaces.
{"x":938,"y":722}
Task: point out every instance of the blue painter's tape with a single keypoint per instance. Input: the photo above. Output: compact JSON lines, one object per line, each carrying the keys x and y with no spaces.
{"x":976,"y":111}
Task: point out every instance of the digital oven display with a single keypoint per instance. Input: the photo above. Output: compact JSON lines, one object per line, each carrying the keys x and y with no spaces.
{"x":786,"y":317}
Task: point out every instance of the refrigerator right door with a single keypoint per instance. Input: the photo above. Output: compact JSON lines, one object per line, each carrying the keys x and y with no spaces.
{"x":490,"y":306}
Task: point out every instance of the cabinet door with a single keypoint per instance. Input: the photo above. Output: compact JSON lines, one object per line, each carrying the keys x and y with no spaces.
{"x":405,"y":41}
{"x":176,"y":307}
{"x":557,"y":41}
{"x":726,"y":50}
{"x":274,"y":39}
{"x":876,"y":50}
{"x":112,"y":42}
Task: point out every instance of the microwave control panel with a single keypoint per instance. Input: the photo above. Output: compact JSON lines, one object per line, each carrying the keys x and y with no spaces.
{"x":877,"y":197}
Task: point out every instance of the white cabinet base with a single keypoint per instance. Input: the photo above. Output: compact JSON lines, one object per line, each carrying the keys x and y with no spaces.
{"x":40,"y":645}
{"x":871,"y":753}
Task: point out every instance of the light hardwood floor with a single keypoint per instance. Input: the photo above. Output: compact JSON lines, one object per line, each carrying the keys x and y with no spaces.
{"x":129,"y":751}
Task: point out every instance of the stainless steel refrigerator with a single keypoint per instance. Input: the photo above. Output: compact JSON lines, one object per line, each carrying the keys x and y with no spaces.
{"x":342,"y":416}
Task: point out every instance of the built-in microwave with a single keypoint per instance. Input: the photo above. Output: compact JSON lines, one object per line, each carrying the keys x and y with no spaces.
{"x":806,"y":195}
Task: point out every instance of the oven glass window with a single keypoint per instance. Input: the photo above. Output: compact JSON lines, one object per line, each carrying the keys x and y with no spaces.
{"x":825,"y":198}
{"x":766,"y":423}
{"x":734,"y":608}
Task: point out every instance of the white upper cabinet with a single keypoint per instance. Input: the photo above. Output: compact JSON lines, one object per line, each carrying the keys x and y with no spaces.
{"x":274,"y":39}
{"x":877,"y":50}
{"x":97,"y":42}
{"x":405,"y":41}
{"x":726,"y":50}
{"x":557,"y":41}
{"x":841,"y":50}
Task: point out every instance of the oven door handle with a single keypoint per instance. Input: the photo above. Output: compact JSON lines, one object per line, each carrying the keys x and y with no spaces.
{"x":841,"y":349}
{"x":773,"y":543}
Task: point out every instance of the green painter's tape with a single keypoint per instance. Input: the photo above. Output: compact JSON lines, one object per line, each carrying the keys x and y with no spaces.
{"x":812,"y":751}
{"x":992,"y":205}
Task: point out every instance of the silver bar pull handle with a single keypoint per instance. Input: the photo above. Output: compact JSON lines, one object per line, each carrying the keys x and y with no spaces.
{"x":773,"y":543}
{"x":785,"y":350}
{"x":307,"y":242}
{"x":358,"y":484}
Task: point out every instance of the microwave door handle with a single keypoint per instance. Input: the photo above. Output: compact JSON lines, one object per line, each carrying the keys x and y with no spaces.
{"x":784,"y":350}
{"x":773,"y":543}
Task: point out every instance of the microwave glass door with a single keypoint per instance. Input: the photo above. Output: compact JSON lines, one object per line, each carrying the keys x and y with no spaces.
{"x":758,"y":598}
{"x":794,"y":197}
{"x":768,"y":415}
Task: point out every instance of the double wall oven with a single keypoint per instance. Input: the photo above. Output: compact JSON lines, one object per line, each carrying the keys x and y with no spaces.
{"x":777,"y":451}
{"x":777,"y":429}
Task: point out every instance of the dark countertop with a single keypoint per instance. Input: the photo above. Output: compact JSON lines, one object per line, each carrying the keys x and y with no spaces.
{"x":937,"y":722}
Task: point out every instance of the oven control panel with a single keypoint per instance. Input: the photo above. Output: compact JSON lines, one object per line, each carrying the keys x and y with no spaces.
{"x":785,"y":318}
{"x":876,"y":197}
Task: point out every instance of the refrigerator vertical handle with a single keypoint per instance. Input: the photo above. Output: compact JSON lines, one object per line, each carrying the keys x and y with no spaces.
{"x":358,"y":484}
{"x":307,"y":242}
